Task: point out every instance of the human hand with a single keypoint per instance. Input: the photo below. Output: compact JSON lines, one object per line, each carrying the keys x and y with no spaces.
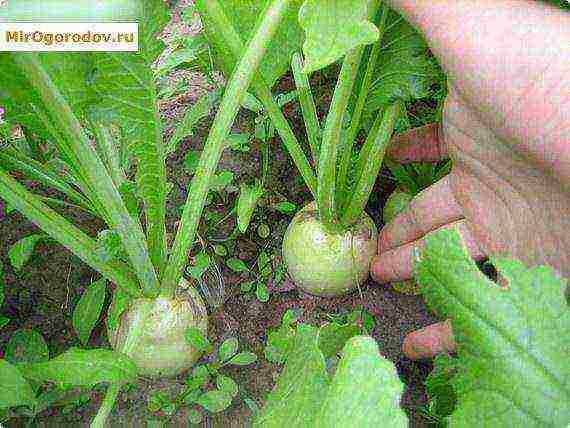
{"x":506,"y":126}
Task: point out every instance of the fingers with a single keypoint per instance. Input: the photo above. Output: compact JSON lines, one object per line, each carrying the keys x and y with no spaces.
{"x":397,"y":264}
{"x":434,"y":207}
{"x":420,"y":144}
{"x":429,"y":341}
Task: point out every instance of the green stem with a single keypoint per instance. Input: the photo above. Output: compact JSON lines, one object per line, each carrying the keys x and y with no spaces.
{"x":229,"y":37}
{"x":359,"y":108}
{"x":234,"y":94}
{"x":136,"y":329}
{"x":130,"y":231}
{"x":107,"y":405}
{"x":64,"y":232}
{"x":332,"y":138}
{"x":370,"y":162}
{"x":308,"y":108}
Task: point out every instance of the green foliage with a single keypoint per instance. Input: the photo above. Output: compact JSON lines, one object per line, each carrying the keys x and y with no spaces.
{"x":15,"y":391}
{"x":405,"y":70}
{"x":246,"y":204}
{"x":364,"y":391}
{"x":25,"y":347}
{"x":244,"y":15}
{"x":77,"y":367}
{"x":510,"y":341}
{"x":333,"y":28}
{"x":22,"y":251}
{"x":88,"y":310}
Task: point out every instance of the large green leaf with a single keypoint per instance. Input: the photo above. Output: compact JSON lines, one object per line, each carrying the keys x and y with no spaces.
{"x":365,"y":391}
{"x":124,"y":84}
{"x":512,"y":343}
{"x":78,"y":367}
{"x":333,"y":28}
{"x":26,"y":346}
{"x":405,"y":69}
{"x":15,"y":390}
{"x":88,"y":310}
{"x":297,"y":398}
{"x":244,"y":15}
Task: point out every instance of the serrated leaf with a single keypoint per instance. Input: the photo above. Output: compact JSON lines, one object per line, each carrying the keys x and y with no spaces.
{"x":333,"y":28}
{"x":511,"y":343}
{"x":243,"y":359}
{"x":21,"y":252}
{"x":125,"y":87}
{"x":244,"y":15}
{"x":88,"y":310}
{"x":26,"y":346}
{"x":78,"y":367}
{"x":227,"y":384}
{"x":236,"y":265}
{"x":246,"y":204}
{"x":15,"y":391}
{"x":297,"y":397}
{"x":365,"y":390}
{"x":215,"y":401}
{"x":228,"y":349}
{"x":405,"y":69}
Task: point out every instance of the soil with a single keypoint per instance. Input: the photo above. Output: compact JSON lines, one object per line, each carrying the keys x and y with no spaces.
{"x":43,"y":294}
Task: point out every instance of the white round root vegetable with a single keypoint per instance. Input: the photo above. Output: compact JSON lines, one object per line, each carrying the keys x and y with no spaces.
{"x":328,"y":264}
{"x":161,"y":349}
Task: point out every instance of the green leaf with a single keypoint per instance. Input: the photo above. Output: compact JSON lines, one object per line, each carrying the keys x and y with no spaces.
{"x":26,"y":346}
{"x":109,"y":245}
{"x":215,"y":401}
{"x":239,"y":142}
{"x":512,"y":343}
{"x":333,"y":337}
{"x":261,"y":292}
{"x":200,"y":110}
{"x":227,"y":384}
{"x":365,"y":390}
{"x":78,"y":367}
{"x":263,"y":231}
{"x":88,"y":310}
{"x":220,"y":250}
{"x":333,"y":28}
{"x":195,"y":338}
{"x":119,"y":304}
{"x":4,"y":322}
{"x":199,"y":378}
{"x":246,"y":287}
{"x":236,"y":265}
{"x":21,"y":252}
{"x":405,"y":70}
{"x":221,"y":181}
{"x":15,"y":391}
{"x":297,"y":397}
{"x":243,"y":359}
{"x":228,"y":349}
{"x":194,"y":417}
{"x":246,"y":204}
{"x":244,"y":15}
{"x":200,"y":265}
{"x":286,"y":207}
{"x":125,"y":86}
{"x":191,"y":160}
{"x":397,"y":203}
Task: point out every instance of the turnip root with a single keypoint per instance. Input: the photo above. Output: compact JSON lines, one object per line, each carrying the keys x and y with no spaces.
{"x":327,"y":263}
